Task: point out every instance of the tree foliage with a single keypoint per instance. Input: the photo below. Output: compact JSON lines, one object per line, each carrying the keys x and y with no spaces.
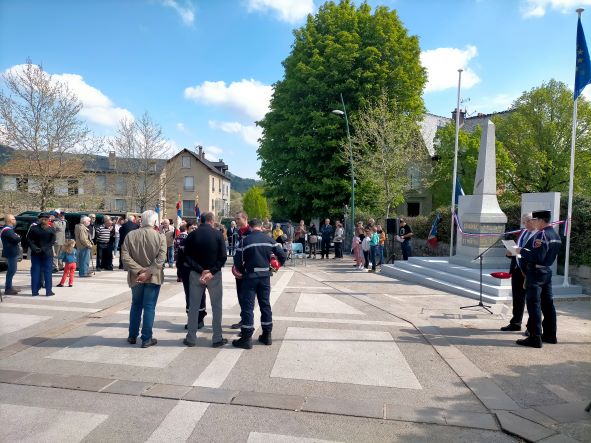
{"x":537,"y":138}
{"x":255,"y":203}
{"x":39,"y":119}
{"x":341,"y":49}
{"x":386,"y":145}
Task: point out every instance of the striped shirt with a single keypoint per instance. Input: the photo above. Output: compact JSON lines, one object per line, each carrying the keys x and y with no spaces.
{"x":103,"y":234}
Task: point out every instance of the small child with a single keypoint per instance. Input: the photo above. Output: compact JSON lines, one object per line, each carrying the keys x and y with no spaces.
{"x":365,"y":247}
{"x":356,"y":248}
{"x":68,"y":257}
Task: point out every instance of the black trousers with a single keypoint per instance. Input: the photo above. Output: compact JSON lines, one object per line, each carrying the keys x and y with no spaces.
{"x":518,"y":294}
{"x":252,"y":289}
{"x":540,"y":302}
{"x":338,"y":249}
{"x":104,"y":256}
{"x":325,"y":247}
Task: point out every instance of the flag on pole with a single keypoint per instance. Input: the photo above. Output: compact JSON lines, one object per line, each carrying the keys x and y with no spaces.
{"x":583,"y":67}
{"x":432,"y":238}
{"x":179,"y":213}
{"x":459,"y":190}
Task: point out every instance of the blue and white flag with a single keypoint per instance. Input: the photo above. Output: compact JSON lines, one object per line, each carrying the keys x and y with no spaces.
{"x":583,"y":66}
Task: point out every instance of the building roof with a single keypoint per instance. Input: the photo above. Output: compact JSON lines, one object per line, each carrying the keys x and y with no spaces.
{"x":429,"y":126}
{"x":219,"y":167}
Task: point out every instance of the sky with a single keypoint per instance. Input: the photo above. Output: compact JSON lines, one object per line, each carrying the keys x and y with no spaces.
{"x":204,"y":69}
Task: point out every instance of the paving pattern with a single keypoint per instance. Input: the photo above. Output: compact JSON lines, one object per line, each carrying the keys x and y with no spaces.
{"x":356,"y":357}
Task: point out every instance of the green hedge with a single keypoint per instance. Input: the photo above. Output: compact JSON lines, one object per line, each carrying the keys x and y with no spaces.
{"x":580,"y":247}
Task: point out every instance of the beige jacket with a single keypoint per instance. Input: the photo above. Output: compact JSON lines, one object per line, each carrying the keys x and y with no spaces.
{"x":144,"y":248}
{"x":82,"y":237}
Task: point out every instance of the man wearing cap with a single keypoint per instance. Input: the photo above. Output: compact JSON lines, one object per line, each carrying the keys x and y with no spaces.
{"x":41,"y":238}
{"x":517,"y":270}
{"x":405,"y":233}
{"x":60,"y":226}
{"x":538,"y":296}
{"x":11,"y":251}
{"x":251,"y":265}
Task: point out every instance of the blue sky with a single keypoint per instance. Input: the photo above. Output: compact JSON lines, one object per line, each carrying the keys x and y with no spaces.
{"x":203,"y":69}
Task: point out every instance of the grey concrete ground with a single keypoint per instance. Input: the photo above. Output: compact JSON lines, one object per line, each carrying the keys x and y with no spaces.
{"x":357,"y":357}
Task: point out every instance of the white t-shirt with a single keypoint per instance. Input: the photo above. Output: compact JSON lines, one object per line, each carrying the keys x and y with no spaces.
{"x":365,"y":243}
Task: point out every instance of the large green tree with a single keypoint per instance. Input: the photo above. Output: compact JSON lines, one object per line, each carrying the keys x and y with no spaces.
{"x":255,"y":203}
{"x":537,"y":137}
{"x":342,"y":49}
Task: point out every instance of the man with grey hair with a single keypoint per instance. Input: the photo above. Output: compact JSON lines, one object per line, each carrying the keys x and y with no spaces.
{"x":143,"y":254}
{"x":83,"y":245}
{"x":205,"y":256}
{"x":59,"y":226}
{"x":517,"y":269}
{"x":105,"y":237}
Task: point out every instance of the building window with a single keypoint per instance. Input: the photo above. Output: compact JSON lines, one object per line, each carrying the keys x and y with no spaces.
{"x":413,"y":209}
{"x":220,"y":185}
{"x":120,"y":186}
{"x":213,"y":184}
{"x":188,"y":184}
{"x":119,"y":204}
{"x":188,"y":208}
{"x":414,"y":178}
{"x":101,"y":183}
{"x":186,"y":162}
{"x":22,"y":184}
{"x":212,"y":205}
{"x":72,"y":187}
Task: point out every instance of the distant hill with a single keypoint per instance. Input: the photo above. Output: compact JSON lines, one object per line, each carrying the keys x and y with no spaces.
{"x":242,"y":185}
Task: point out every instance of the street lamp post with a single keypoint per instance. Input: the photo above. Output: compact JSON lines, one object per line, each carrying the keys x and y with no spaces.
{"x":344,"y":112}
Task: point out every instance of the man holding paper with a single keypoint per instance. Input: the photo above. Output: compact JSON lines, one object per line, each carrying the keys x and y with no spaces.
{"x":517,"y":270}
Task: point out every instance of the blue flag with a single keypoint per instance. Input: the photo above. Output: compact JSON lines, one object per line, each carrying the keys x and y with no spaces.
{"x":459,"y":190}
{"x":583,"y":69}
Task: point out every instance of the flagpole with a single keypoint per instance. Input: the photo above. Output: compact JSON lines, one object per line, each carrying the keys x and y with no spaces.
{"x":455,"y":173}
{"x":569,"y":213}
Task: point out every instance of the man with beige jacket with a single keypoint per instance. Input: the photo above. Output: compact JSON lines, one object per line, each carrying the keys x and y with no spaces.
{"x":83,"y":245}
{"x":143,"y":254}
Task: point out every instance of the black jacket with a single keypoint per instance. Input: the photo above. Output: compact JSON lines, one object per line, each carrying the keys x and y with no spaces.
{"x":254,"y":254}
{"x":41,"y":241}
{"x":10,"y":242}
{"x":205,"y":249}
{"x":125,"y":229}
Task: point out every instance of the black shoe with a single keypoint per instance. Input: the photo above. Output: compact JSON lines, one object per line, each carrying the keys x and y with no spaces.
{"x":526,"y":333}
{"x":511,"y":327}
{"x":186,"y":326}
{"x":35,"y":295}
{"x":533,"y":341}
{"x":265,"y":338}
{"x":50,"y":294}
{"x":148,"y":343}
{"x":222,"y":342}
{"x":69,"y":286}
{"x":236,"y":325}
{"x":55,"y":271}
{"x":60,"y":285}
{"x":200,"y":325}
{"x":551,"y":340}
{"x":132,"y":340}
{"x":188,"y":343}
{"x":242,"y":342}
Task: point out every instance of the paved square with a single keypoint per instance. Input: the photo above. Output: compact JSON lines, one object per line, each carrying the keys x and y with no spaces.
{"x":343,"y":356}
{"x":324,"y":304}
{"x":229,"y":300}
{"x":89,"y":293}
{"x":263,"y":437}
{"x":45,"y":425}
{"x":15,"y":322}
{"x":110,"y":346}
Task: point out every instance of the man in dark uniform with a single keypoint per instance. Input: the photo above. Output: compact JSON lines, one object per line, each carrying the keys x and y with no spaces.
{"x":517,"y":270}
{"x":241,"y":219}
{"x":251,"y":264}
{"x":538,"y":280}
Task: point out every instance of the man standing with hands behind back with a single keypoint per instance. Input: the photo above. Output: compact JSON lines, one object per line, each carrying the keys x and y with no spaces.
{"x":143,"y":254}
{"x":205,"y":255}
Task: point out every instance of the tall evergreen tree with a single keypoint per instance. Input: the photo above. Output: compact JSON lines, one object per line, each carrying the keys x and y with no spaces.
{"x":341,"y":49}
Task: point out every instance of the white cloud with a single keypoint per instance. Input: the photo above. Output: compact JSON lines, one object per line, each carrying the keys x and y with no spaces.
{"x":495,"y":103}
{"x":249,"y":97}
{"x":181,"y":127}
{"x":538,"y":8}
{"x":186,"y":13}
{"x":442,"y":66}
{"x":212,"y":153}
{"x":249,"y":133}
{"x":96,"y":106}
{"x":290,"y":11}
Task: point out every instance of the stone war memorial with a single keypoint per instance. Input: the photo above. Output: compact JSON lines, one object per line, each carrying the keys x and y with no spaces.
{"x":480,"y":225}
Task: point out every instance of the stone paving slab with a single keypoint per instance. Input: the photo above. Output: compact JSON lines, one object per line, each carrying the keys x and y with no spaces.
{"x":422,"y":415}
{"x":268,"y":400}
{"x":471,"y":420}
{"x":567,"y":413}
{"x":126,"y":387}
{"x":559,"y":438}
{"x":537,"y":417}
{"x":166,"y":391}
{"x":82,"y":383}
{"x":8,"y":376}
{"x":526,"y":429}
{"x":344,"y":407}
{"x":210,"y":395}
{"x":491,"y":394}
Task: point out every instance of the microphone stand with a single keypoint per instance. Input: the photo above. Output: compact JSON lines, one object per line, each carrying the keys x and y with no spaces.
{"x":479,"y":257}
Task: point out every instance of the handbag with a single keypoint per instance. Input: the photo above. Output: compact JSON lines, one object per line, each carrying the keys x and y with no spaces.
{"x":313,"y":239}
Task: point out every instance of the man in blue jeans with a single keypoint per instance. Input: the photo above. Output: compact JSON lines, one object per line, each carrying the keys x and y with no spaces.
{"x":143,"y":254}
{"x":11,"y":251}
{"x":41,"y":238}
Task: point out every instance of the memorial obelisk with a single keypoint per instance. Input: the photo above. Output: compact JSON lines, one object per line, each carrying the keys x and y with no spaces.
{"x":481,"y":213}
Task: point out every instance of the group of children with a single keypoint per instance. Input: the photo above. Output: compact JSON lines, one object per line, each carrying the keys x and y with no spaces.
{"x":368,"y":245}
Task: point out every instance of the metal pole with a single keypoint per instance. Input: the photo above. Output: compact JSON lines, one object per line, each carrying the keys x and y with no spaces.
{"x":455,"y":173}
{"x":352,"y":169}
